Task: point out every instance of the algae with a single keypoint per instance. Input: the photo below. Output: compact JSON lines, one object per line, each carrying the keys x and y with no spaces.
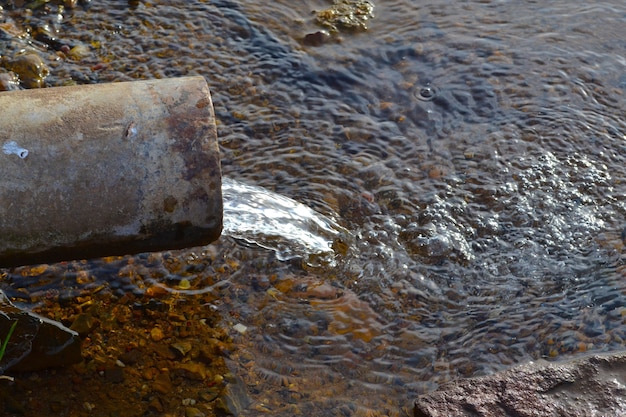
{"x":349,"y":15}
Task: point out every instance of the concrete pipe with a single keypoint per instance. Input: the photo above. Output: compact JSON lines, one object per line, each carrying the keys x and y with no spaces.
{"x":108,"y":169}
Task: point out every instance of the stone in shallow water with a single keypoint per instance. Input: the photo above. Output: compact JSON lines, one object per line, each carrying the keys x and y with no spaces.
{"x":84,"y":324}
{"x":193,"y":412}
{"x":316,"y":38}
{"x":37,"y":342}
{"x":163,"y":383}
{"x":30,"y":68}
{"x":594,"y":385}
{"x":234,"y":399}
{"x":192,"y":370}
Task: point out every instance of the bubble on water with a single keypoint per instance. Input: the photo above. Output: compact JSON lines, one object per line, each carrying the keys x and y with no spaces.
{"x":426,"y":93}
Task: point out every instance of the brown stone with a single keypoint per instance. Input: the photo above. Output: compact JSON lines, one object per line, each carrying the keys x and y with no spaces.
{"x":131,"y":357}
{"x":162,"y":383}
{"x":316,"y":38}
{"x":162,"y":351}
{"x":234,"y":399}
{"x":181,"y":348}
{"x":155,"y":405}
{"x":192,"y":370}
{"x":193,"y":412}
{"x":149,"y":373}
{"x":156,"y":334}
{"x":594,"y":385}
{"x":83,"y":324}
{"x":114,"y":375}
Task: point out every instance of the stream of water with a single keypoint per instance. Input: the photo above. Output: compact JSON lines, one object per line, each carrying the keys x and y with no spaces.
{"x":267,"y":220}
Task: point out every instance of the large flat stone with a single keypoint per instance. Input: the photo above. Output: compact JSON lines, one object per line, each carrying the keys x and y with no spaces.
{"x":37,"y":342}
{"x":589,"y":386}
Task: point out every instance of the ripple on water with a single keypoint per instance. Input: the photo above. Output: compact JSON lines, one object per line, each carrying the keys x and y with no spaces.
{"x":475,"y":152}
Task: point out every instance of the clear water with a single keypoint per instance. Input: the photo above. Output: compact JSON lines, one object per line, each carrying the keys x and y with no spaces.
{"x":473,"y":151}
{"x":258,"y":217}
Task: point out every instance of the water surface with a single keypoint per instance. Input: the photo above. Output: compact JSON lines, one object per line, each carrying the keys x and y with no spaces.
{"x":474,"y":151}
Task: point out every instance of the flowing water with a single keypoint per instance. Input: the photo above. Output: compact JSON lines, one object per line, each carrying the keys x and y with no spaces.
{"x":464,"y":161}
{"x":267,"y":220}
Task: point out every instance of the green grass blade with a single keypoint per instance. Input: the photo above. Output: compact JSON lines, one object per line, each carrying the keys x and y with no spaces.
{"x":6,"y":339}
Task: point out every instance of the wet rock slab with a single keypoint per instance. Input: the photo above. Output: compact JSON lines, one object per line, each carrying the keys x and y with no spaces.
{"x":37,"y":342}
{"x":594,"y":385}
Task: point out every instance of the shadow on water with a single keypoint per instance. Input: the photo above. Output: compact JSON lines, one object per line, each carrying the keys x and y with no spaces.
{"x":473,"y":151}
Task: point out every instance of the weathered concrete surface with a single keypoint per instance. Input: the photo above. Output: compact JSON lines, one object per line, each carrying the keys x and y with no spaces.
{"x":590,"y":386}
{"x":108,"y":169}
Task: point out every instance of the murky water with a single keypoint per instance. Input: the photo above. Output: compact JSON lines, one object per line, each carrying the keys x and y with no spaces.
{"x":474,"y":152}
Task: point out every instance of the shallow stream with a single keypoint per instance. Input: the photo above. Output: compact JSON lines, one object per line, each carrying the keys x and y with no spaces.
{"x":466,"y":163}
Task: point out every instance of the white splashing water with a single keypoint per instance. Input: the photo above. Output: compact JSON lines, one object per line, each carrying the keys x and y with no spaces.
{"x":260,"y":217}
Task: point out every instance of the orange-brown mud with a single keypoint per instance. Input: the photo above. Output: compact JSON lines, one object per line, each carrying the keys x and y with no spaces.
{"x":153,"y":354}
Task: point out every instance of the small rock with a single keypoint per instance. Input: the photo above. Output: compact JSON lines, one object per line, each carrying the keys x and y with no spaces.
{"x":156,"y":334}
{"x":56,"y":406}
{"x":114,"y":375}
{"x":207,"y":354}
{"x":210,"y":395}
{"x":241,"y":328}
{"x":79,"y":52}
{"x":193,"y":412}
{"x":162,"y":350}
{"x":182,"y":348}
{"x":351,"y":15}
{"x":149,"y":373}
{"x":316,"y":38}
{"x":84,"y":324}
{"x":9,"y":81}
{"x":235,"y":398}
{"x":30,"y":68}
{"x":189,"y":401}
{"x":123,"y":314}
{"x":162,"y":383}
{"x":131,"y":357}
{"x":156,"y":291}
{"x":155,"y":405}
{"x":192,"y":370}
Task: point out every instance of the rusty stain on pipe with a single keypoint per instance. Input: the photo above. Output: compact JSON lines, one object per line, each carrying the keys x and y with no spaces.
{"x":108,"y":169}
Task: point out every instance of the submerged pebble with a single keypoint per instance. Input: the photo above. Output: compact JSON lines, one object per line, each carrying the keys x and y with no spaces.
{"x":317,"y":38}
{"x":30,"y":69}
{"x":193,"y":412}
{"x":9,"y":81}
